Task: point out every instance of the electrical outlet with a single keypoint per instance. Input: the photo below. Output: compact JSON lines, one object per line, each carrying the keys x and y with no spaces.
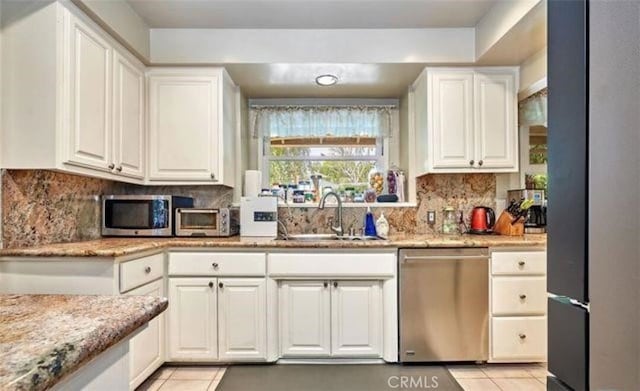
{"x":431,"y":217}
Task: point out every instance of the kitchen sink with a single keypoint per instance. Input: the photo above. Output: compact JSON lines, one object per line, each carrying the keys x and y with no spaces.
{"x":323,"y":237}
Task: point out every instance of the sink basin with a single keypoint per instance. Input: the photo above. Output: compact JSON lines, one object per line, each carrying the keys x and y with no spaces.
{"x":322,"y":237}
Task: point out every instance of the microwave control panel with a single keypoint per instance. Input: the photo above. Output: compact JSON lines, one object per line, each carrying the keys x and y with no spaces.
{"x":265,"y":216}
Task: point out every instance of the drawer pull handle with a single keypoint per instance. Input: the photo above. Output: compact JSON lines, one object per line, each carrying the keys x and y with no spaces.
{"x":215,"y":265}
{"x":147,"y":269}
{"x":522,"y":336}
{"x":471,"y":162}
{"x":335,"y":284}
{"x":522,"y":297}
{"x":210,"y":284}
{"x":521,"y":263}
{"x":220,"y":285}
{"x":326,"y":284}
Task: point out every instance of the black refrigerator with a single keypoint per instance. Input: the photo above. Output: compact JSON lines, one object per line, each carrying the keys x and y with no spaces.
{"x":593,"y":258}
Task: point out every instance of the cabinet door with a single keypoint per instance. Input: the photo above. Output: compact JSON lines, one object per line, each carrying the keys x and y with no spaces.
{"x":451,"y":107}
{"x":242,"y":318}
{"x":192,"y":319}
{"x":183,"y":128}
{"x":496,"y":121}
{"x":88,"y":141}
{"x":146,"y":349}
{"x":356,"y":319}
{"x":305,"y":319}
{"x":128,"y":117}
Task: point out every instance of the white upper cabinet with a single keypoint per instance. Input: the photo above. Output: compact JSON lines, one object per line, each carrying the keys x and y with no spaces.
{"x":89,"y":138}
{"x":190,"y":140}
{"x":451,"y":114}
{"x":129,"y":139}
{"x":471,"y":120}
{"x":495,"y":120}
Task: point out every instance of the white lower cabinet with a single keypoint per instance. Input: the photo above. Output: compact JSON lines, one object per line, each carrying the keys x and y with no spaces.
{"x":146,"y":349}
{"x":331,"y":319}
{"x":305,"y":323}
{"x":193,"y":331}
{"x":242,"y":319}
{"x":518,"y":306}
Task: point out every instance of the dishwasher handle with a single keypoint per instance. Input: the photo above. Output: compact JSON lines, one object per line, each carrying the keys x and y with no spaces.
{"x":445,"y":258}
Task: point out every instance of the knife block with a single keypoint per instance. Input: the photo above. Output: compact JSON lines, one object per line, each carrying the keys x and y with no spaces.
{"x":504,"y":227}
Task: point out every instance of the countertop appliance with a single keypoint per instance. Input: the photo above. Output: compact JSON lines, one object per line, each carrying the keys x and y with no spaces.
{"x":536,"y":214}
{"x":444,"y":305}
{"x":482,"y":220}
{"x":207,"y":222}
{"x":141,"y":215}
{"x":259,"y":216}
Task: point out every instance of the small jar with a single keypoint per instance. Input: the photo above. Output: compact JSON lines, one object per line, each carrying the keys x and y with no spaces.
{"x":449,"y":221}
{"x":349,"y":193}
{"x":376,"y":181}
{"x":370,"y":195}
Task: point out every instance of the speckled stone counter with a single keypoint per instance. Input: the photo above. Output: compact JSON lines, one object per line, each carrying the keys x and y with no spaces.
{"x":119,"y":247}
{"x":43,"y":338}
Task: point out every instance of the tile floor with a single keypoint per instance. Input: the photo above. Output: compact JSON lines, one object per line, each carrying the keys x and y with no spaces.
{"x":501,"y":377}
{"x":196,"y":378}
{"x":489,"y":377}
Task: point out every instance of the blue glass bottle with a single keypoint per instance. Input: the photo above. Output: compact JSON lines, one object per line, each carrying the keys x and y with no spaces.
{"x":369,"y":223}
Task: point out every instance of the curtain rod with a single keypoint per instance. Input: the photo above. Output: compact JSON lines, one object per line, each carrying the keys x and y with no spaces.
{"x":344,"y":102}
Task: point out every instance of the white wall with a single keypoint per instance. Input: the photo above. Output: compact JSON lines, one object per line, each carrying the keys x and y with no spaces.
{"x":532,"y":71}
{"x":119,"y":19}
{"x":497,"y":22}
{"x":221,"y":46}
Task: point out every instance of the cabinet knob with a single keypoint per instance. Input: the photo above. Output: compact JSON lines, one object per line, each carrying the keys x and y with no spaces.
{"x":480,"y":162}
{"x":522,"y":336}
{"x":521,"y":263}
{"x":119,"y":169}
{"x":111,"y":166}
{"x":215,"y":265}
{"x":522,"y":297}
{"x":220,"y":285}
{"x":326,"y":284}
{"x":335,"y":284}
{"x":147,"y":269}
{"x":213,"y":177}
{"x":210,"y":284}
{"x":471,"y":162}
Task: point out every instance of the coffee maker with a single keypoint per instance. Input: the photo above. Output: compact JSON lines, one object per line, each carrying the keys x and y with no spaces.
{"x":537,"y":214}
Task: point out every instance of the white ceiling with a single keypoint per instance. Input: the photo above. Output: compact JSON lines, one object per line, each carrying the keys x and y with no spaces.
{"x":298,"y":80}
{"x":311,"y":14}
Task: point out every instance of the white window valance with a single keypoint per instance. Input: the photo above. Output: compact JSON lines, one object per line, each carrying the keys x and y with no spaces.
{"x":321,"y":121}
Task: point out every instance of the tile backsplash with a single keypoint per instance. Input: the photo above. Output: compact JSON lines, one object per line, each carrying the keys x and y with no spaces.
{"x":41,"y":207}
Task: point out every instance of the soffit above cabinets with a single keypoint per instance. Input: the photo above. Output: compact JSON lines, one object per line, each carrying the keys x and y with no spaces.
{"x":311,"y":14}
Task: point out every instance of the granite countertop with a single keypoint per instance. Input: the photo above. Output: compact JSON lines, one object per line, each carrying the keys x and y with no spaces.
{"x":43,"y":338}
{"x":118,"y":247}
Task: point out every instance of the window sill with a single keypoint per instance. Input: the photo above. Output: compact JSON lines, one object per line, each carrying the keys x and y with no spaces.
{"x":355,"y":205}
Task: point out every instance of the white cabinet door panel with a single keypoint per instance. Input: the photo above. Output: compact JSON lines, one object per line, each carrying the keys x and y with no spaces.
{"x":242,"y":319}
{"x":89,"y":135}
{"x":305,"y":319}
{"x":356,"y":320}
{"x":192,"y":319}
{"x":146,"y":349}
{"x":128,"y":117}
{"x":495,"y":120}
{"x":183,"y":127}
{"x":452,"y":119}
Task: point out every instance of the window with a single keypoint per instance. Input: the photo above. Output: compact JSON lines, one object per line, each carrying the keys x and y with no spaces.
{"x":343,"y":144}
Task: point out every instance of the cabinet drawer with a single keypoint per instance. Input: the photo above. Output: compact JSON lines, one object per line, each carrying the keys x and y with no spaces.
{"x":519,"y":263}
{"x":519,"y":338}
{"x":217,"y":264}
{"x":519,"y":295}
{"x":141,"y":271}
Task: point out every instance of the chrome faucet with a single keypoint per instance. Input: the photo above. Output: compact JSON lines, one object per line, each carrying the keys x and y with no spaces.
{"x":339,"y":230}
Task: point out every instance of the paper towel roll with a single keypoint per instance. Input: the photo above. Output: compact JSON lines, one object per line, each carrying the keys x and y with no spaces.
{"x":252,"y":183}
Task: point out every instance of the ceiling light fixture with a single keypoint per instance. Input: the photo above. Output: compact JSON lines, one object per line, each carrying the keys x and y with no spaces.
{"x":326,"y":80}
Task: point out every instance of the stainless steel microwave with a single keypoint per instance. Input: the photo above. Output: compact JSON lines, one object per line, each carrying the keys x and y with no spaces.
{"x":141,"y":215}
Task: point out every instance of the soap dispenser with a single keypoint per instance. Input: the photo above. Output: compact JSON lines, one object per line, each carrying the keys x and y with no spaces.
{"x":382,"y":226}
{"x":369,"y":223}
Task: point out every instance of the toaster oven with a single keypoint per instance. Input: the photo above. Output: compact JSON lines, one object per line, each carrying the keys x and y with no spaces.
{"x":207,"y":222}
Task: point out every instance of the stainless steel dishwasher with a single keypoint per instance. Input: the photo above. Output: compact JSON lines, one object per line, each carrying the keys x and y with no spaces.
{"x":444,"y":304}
